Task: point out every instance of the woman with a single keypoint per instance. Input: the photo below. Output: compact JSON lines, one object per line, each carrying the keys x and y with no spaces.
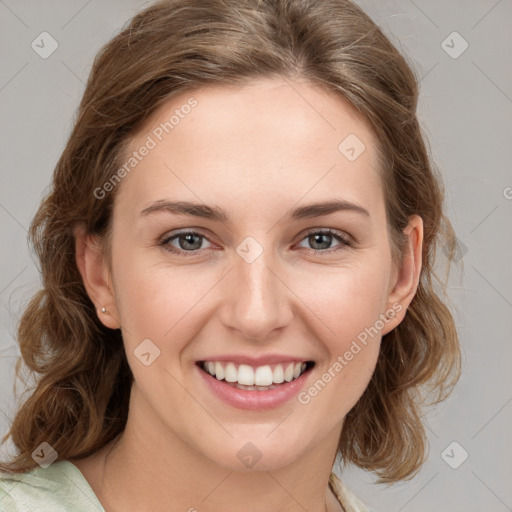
{"x":281,"y":137}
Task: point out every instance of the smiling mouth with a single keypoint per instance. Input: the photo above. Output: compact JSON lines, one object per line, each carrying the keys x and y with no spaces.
{"x":261,"y":378}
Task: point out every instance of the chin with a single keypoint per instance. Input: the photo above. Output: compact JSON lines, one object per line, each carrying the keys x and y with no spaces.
{"x":259,"y":454}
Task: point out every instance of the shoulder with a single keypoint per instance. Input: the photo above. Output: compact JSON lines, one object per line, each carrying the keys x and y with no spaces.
{"x":349,"y":501}
{"x":58,"y":488}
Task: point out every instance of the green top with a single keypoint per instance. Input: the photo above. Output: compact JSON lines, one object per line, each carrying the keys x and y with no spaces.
{"x":61,"y":487}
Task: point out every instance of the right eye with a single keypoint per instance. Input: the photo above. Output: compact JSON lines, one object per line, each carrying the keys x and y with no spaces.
{"x":189,"y":242}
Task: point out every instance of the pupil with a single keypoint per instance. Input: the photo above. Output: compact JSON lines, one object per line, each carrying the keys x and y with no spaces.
{"x":187,"y":240}
{"x":319,"y":236}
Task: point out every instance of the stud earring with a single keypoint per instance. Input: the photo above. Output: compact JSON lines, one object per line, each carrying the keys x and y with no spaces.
{"x":104,"y":310}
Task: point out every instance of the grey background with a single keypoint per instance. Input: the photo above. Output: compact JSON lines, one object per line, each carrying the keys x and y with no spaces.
{"x":466,"y":111}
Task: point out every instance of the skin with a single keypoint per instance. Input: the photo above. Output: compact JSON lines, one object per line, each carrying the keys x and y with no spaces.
{"x":257,"y":152}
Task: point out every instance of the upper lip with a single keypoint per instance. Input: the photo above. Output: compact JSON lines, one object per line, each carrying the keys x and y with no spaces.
{"x":256,"y":361}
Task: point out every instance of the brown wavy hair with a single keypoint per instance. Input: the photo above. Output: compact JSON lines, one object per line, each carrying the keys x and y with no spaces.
{"x":80,"y":400}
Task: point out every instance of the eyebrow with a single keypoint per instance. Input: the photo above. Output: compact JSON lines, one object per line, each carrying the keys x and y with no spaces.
{"x":217,"y":214}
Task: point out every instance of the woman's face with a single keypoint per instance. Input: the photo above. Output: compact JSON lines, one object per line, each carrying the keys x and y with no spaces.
{"x":260,"y":286}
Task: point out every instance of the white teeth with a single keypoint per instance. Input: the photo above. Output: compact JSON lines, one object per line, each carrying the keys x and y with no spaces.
{"x":231,"y":374}
{"x":247,"y":377}
{"x":263,"y":376}
{"x":278,"y":375}
{"x":288,"y":373}
{"x":219,"y":371}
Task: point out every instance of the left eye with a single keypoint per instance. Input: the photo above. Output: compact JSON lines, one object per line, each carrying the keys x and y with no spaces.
{"x":319,"y":237}
{"x":190,"y":241}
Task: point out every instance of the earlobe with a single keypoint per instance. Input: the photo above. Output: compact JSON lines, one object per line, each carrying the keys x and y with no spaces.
{"x":96,"y":276}
{"x":408,"y":274}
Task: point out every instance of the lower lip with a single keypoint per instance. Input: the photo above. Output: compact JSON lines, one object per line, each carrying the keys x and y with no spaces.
{"x":254,"y":400}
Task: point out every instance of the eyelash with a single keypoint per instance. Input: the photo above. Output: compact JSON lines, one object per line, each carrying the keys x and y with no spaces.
{"x":345,"y":242}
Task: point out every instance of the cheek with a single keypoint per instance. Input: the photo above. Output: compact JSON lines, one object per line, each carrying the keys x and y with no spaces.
{"x":347,"y":305}
{"x":345,"y":300}
{"x":159,"y":302}
{"x":161,"y":305}
{"x":351,"y":344}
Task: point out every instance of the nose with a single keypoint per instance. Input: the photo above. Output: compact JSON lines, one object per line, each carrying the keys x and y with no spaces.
{"x":257,"y":303}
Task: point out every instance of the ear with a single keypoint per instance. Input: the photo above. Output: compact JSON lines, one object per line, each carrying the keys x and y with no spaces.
{"x":96,"y":276}
{"x":407,"y":276}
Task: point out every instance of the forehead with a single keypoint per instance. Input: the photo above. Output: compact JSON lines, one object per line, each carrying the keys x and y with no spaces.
{"x":268,"y":138}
